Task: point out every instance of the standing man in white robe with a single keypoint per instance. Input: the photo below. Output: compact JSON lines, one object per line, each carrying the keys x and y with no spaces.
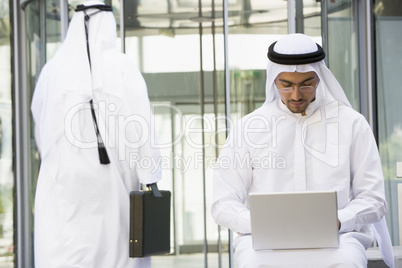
{"x":305,"y":137}
{"x":82,"y":200}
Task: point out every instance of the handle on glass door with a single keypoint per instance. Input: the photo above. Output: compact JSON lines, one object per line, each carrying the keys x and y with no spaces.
{"x":399,"y":169}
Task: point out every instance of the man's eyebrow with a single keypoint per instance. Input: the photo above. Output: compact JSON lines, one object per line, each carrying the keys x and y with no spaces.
{"x":290,"y":82}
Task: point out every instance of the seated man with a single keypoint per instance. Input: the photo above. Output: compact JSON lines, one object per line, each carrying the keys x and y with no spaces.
{"x":319,"y":143}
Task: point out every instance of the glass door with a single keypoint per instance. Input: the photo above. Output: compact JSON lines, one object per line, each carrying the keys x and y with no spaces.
{"x":343,"y":47}
{"x":178,"y":47}
{"x":43,"y":38}
{"x":388,"y":23}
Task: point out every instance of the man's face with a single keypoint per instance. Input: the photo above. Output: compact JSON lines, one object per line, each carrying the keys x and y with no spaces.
{"x":297,"y":90}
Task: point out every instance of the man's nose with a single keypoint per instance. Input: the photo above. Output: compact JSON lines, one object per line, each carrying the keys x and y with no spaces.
{"x":296,"y":95}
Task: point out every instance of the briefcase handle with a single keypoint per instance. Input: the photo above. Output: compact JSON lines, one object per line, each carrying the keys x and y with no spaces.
{"x":154,"y":188}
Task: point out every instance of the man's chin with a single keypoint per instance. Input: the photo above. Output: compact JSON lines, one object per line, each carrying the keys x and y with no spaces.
{"x":297,"y":107}
{"x":296,"y":110}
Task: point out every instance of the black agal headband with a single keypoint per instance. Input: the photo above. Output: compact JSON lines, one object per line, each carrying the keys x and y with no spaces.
{"x":100,"y":7}
{"x":295,"y":59}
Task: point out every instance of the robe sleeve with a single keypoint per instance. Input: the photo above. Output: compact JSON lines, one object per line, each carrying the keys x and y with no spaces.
{"x":37,"y":105}
{"x":148,"y":149}
{"x":368,"y":204}
{"x":231,"y":183}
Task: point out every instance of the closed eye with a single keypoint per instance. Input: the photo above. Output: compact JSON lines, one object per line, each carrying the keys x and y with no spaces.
{"x":306,"y":85}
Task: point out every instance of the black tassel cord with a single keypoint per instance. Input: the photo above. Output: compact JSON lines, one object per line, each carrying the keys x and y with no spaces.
{"x":103,"y":156}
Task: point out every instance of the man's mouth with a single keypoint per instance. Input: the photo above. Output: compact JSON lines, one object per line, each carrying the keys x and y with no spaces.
{"x":297,"y":103}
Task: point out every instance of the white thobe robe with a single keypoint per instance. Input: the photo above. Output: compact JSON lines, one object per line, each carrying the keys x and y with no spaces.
{"x":81,"y":206}
{"x":275,"y":150}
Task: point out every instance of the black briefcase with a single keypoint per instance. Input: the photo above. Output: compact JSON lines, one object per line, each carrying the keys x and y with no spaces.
{"x":149,"y":222}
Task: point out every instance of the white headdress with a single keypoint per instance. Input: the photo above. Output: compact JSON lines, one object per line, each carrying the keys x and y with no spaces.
{"x":299,"y":53}
{"x":68,"y":80}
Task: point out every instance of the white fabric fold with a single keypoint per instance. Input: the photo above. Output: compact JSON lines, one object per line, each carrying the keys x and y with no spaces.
{"x":381,"y":233}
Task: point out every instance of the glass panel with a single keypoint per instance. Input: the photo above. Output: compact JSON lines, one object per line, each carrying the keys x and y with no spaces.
{"x":249,"y":39}
{"x":179,"y":50}
{"x":53,"y":26}
{"x":343,"y":47}
{"x":35,"y":59}
{"x":388,"y":23}
{"x":6,"y":142}
{"x":308,"y":18}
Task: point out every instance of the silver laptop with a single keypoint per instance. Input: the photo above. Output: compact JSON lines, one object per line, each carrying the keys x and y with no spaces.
{"x":296,"y":220}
